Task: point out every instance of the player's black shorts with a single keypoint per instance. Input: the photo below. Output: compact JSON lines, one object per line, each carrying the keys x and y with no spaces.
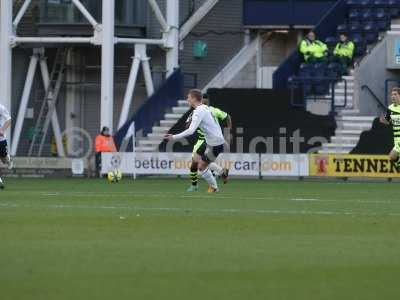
{"x":3,"y":149}
{"x":211,"y":153}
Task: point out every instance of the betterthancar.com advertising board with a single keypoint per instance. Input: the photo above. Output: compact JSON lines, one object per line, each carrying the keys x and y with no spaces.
{"x":179,"y":164}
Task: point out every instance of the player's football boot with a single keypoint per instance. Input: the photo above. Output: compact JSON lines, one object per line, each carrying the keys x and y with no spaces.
{"x":192,"y":188}
{"x":10,"y":163}
{"x":225,"y":176}
{"x":212,"y":190}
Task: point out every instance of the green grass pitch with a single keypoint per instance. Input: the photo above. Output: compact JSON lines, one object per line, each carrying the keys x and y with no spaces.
{"x":88,"y":239}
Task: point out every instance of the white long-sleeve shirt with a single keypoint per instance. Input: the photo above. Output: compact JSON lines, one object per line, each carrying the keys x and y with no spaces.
{"x":4,"y":117}
{"x":203,"y":118}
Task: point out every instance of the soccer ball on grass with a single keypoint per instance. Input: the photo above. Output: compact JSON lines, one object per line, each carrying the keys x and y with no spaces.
{"x":114,"y":176}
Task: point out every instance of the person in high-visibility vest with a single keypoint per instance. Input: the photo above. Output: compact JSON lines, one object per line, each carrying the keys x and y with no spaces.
{"x":312,"y":49}
{"x":104,"y":142}
{"x":343,"y":52}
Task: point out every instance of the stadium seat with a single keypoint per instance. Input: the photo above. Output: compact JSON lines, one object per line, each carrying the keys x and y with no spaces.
{"x":383,"y":25}
{"x":298,"y":83}
{"x":360,"y":46}
{"x":306,"y":70}
{"x":331,"y":42}
{"x":394,"y":3}
{"x":342,"y":28}
{"x":354,"y":27}
{"x":305,"y":77}
{"x":359,"y":3}
{"x":367,"y":15}
{"x":366,"y":4}
{"x":307,"y":88}
{"x":319,"y":70}
{"x":352,"y":4}
{"x":293,"y":83}
{"x":381,"y":14}
{"x":355,"y":35}
{"x":394,"y":8}
{"x":321,"y":87}
{"x":354,"y":15}
{"x":333,"y":70}
{"x":371,"y":33}
{"x":380,"y":3}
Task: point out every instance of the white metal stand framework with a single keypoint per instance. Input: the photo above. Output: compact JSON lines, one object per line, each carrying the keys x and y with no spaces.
{"x":6,"y":31}
{"x":104,"y":36}
{"x":139,"y":58}
{"x":38,"y":55}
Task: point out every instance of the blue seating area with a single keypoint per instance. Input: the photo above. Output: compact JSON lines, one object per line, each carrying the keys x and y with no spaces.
{"x":316,"y":78}
{"x":363,"y":22}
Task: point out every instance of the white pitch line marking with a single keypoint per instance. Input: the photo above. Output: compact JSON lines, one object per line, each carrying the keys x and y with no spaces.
{"x":210,"y":197}
{"x":304,"y":199}
{"x":201,"y":210}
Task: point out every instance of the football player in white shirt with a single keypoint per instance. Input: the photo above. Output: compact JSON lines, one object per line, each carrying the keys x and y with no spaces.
{"x":203,"y":118}
{"x":5,"y":123}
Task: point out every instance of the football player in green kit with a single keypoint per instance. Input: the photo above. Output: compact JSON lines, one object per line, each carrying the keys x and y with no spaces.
{"x":392,"y":118}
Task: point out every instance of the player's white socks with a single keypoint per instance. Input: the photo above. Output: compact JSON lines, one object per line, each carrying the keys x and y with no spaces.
{"x":9,"y":162}
{"x":218,"y":170}
{"x":208,"y":176}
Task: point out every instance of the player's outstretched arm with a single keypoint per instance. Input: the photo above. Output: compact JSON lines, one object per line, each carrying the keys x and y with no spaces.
{"x":188,"y":132}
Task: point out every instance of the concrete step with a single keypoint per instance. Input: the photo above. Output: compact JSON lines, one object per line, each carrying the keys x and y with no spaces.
{"x":180,"y":110}
{"x":156,"y":136}
{"x":355,"y":118}
{"x":327,"y":151}
{"x":348,"y":77}
{"x":145,"y":149}
{"x":160,"y":129}
{"x":172,"y":116}
{"x":339,"y":104}
{"x":354,"y":126}
{"x":344,"y":132}
{"x":338,"y":98}
{"x":183,"y":103}
{"x":341,"y":139}
{"x":166,"y":123}
{"x":348,"y":112}
{"x":338,"y":145}
{"x":341,"y":84}
{"x":149,"y":142}
{"x":337,"y":148}
{"x":341,"y":91}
